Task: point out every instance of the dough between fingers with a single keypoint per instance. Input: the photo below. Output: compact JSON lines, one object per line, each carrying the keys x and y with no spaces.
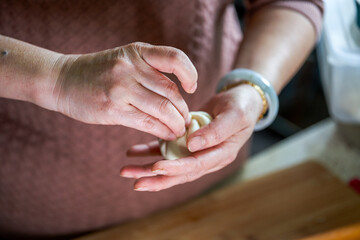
{"x":176,"y":149}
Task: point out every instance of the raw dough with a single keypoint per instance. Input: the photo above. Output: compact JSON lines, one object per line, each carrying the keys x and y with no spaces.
{"x":176,"y":149}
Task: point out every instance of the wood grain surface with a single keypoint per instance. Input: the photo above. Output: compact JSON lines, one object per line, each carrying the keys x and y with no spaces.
{"x":351,"y":232}
{"x":290,"y":204}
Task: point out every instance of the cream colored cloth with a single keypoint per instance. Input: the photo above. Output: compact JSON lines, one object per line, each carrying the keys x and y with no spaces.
{"x":176,"y":149}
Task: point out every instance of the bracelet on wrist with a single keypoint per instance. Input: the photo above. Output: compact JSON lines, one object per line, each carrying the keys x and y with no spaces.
{"x":263,"y":87}
{"x":257,"y":88}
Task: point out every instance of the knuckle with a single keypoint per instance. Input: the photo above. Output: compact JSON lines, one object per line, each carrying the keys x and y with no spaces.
{"x":229,"y":159}
{"x":185,"y":178}
{"x":121,"y":65}
{"x":195,"y":175}
{"x":148,"y":122}
{"x":171,"y":89}
{"x":175,"y":55}
{"x":222,"y":164}
{"x":164,"y":106}
{"x":106,"y":101}
{"x":200,"y":166}
{"x":172,"y":92}
{"x":215,"y":135}
{"x":113,"y":92}
{"x":157,"y":188}
{"x":130,"y":50}
{"x":137,"y":45}
{"x":119,"y":93}
{"x":179,"y":164}
{"x":120,"y":52}
{"x":107,"y":107}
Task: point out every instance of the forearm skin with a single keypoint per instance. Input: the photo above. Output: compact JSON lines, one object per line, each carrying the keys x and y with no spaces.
{"x":276,"y":43}
{"x":28,"y":72}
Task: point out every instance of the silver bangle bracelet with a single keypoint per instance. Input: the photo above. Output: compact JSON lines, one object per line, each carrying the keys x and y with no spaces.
{"x":254,"y":77}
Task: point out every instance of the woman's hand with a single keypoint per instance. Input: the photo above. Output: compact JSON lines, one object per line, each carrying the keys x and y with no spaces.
{"x":214,"y":146}
{"x":126,"y":86}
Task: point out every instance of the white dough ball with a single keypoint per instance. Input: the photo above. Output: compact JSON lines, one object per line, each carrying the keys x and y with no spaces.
{"x":176,"y":149}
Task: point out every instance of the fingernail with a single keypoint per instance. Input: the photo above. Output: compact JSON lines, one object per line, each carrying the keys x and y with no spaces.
{"x":125,"y":175}
{"x":171,"y":137}
{"x":159,"y":171}
{"x":196,"y":143}
{"x":141,"y":189}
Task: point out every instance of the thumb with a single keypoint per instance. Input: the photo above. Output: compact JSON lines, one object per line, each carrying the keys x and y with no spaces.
{"x":221,"y":128}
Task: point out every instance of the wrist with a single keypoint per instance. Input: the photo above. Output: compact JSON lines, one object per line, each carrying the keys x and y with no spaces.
{"x":41,"y":91}
{"x":261,"y":85}
{"x":44,"y":91}
{"x":257,"y":102}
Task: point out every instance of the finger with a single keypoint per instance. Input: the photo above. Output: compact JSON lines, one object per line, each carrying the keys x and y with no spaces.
{"x":185,"y":171}
{"x":194,"y":166}
{"x":198,"y":164}
{"x":144,"y":150}
{"x":137,"y":171}
{"x":163,"y":86}
{"x":204,"y":161}
{"x":158,"y":107}
{"x":238,"y":140}
{"x":171,"y":60}
{"x":141,"y":121}
{"x":221,"y":128}
{"x":158,"y":183}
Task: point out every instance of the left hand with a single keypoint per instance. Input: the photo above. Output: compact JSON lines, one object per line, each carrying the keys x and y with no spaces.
{"x":214,"y":146}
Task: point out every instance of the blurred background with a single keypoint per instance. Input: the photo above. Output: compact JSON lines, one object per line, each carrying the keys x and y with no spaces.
{"x":328,"y":84}
{"x":302,"y":104}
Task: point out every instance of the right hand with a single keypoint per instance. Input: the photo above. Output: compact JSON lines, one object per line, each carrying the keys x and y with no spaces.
{"x":125,"y":86}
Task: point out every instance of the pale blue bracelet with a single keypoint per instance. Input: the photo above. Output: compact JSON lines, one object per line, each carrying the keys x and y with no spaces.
{"x":242,"y":74}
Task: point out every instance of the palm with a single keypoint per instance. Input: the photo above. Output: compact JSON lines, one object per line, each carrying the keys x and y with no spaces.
{"x":233,"y":123}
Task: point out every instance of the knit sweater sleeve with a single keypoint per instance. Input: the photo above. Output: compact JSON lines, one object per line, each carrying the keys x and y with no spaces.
{"x":312,"y":9}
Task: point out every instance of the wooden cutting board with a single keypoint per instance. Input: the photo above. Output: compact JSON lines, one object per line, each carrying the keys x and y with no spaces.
{"x":289,"y":204}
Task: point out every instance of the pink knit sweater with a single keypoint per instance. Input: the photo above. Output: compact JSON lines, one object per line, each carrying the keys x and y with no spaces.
{"x":59,"y":176}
